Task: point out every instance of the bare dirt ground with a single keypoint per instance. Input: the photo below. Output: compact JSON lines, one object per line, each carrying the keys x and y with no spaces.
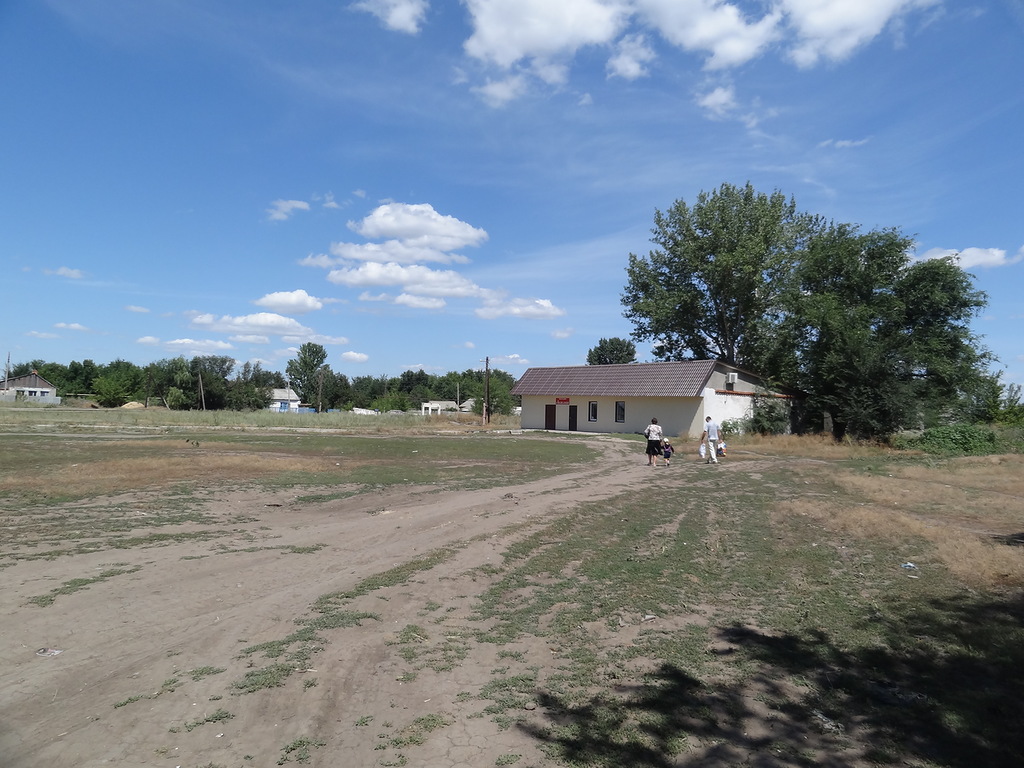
{"x":147,"y":656}
{"x":327,"y":629}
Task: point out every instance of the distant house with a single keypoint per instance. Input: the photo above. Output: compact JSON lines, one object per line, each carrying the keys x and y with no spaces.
{"x":31,"y":387}
{"x":283,"y":400}
{"x":624,"y":398}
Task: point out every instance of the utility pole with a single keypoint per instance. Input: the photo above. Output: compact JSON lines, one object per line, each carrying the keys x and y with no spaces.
{"x":486,"y":410}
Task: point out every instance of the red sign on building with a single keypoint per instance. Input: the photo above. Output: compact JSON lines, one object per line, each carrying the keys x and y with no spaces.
{"x":561,"y":401}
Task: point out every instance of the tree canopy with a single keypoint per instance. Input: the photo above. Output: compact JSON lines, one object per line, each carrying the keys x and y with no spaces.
{"x":612,"y":351}
{"x":712,"y":287}
{"x":877,"y":340}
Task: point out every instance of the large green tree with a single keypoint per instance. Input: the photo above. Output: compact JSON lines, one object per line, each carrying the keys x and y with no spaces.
{"x":877,"y":340}
{"x":885,"y":341}
{"x":612,"y":351}
{"x":308,"y":374}
{"x":712,"y":288}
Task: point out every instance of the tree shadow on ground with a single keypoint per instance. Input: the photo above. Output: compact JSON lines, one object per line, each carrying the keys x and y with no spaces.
{"x":942,"y":689}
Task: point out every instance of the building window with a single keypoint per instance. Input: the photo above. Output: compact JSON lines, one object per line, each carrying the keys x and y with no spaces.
{"x":620,"y":410}
{"x":592,"y":411}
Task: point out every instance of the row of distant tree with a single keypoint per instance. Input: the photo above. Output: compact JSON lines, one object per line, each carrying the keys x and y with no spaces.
{"x":214,"y":382}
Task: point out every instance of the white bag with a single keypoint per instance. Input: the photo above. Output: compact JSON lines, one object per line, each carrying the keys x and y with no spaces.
{"x":703,"y":450}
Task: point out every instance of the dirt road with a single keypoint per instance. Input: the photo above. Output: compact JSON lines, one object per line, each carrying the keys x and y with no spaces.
{"x":152,"y":648}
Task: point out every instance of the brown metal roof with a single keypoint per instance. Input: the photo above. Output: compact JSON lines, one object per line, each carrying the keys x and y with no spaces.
{"x":686,"y":378}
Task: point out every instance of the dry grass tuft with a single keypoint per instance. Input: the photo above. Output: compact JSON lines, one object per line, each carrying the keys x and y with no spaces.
{"x":965,"y":515}
{"x":805,"y":446}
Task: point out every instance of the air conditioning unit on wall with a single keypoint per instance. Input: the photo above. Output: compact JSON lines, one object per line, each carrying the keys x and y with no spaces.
{"x":730,"y":378}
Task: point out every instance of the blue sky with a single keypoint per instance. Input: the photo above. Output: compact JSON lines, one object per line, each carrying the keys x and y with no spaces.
{"x":423,"y":184}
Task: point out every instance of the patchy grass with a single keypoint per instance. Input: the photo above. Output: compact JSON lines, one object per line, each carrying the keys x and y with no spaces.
{"x":74,"y":585}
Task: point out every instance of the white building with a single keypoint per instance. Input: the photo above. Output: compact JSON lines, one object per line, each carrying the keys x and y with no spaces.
{"x":624,"y":398}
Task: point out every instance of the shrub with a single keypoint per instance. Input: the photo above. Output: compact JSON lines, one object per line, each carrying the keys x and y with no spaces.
{"x":957,"y":439}
{"x":769,"y":417}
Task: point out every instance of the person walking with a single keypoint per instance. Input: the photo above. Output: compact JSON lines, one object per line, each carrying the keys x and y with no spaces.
{"x":654,"y":436}
{"x":710,"y":438}
{"x":669,"y":450}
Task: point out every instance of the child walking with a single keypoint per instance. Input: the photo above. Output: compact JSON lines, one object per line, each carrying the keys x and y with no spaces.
{"x":669,"y":450}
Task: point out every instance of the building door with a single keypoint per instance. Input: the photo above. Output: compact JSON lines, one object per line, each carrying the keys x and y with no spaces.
{"x":572,"y":418}
{"x":549,"y":417}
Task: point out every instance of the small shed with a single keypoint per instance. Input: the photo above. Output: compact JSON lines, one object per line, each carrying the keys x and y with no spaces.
{"x":284,"y":401}
{"x":624,"y":398}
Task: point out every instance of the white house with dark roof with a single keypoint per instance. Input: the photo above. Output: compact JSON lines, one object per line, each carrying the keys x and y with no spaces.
{"x":624,"y":398}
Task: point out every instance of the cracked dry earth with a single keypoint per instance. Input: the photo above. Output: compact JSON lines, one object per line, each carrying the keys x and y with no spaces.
{"x":149,"y":657}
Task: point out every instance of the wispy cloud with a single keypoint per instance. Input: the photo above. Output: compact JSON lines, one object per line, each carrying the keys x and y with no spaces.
{"x":397,"y":15}
{"x":68,"y":272}
{"x":282,"y":210}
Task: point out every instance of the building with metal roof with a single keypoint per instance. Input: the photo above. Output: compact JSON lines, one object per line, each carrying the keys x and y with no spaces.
{"x":624,"y":398}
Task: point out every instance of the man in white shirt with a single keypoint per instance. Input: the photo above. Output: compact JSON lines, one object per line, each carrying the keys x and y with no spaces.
{"x":710,"y":438}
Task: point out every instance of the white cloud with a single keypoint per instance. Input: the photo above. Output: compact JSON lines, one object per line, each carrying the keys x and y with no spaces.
{"x":414,"y":233}
{"x":562,"y":333}
{"x":318,"y":260}
{"x":415,"y":279}
{"x":717,"y":28}
{"x":538,"y":38}
{"x":354,"y":357}
{"x":329,"y":202}
{"x":508,"y":31}
{"x":261,"y":323}
{"x":420,"y":302}
{"x":367,"y":296}
{"x":632,"y":54}
{"x":468,"y":345}
{"x":68,"y":272}
{"x":418,"y":224}
{"x":280,"y":210}
{"x":509,"y":360}
{"x":42,"y":335}
{"x":533,"y":309}
{"x":251,"y":338}
{"x":133,"y":308}
{"x":391,"y":250}
{"x":70,"y":326}
{"x":975,"y":257}
{"x":397,"y":15}
{"x":148,"y":340}
{"x":719,"y":102}
{"x":293,"y":302}
{"x":198,"y":346}
{"x":833,"y":29}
